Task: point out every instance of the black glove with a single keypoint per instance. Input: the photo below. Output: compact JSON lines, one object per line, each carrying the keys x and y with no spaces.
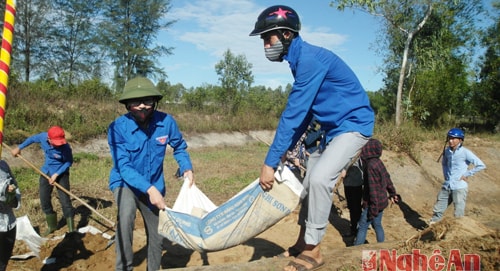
{"x":11,"y":199}
{"x":396,"y":198}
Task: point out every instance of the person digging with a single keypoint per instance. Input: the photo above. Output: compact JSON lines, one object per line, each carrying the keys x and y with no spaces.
{"x":57,"y":164}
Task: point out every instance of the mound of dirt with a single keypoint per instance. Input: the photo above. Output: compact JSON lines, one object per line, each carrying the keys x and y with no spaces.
{"x":405,"y":224}
{"x":87,"y":251}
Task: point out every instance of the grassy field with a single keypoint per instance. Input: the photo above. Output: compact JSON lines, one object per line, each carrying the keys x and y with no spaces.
{"x":220,"y":172}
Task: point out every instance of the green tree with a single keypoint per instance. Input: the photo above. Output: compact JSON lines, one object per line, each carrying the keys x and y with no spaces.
{"x":73,"y":55}
{"x":32,"y":23}
{"x":196,"y":99}
{"x":486,"y":94}
{"x":128,"y":30}
{"x":423,"y":39}
{"x":380,"y":104}
{"x":172,"y":93}
{"x":265,"y":101}
{"x":439,"y":84}
{"x":235,"y":76}
{"x":409,"y":17}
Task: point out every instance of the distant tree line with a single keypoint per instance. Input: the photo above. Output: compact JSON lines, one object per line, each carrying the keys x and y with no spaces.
{"x":429,"y":48}
{"x":72,"y":40}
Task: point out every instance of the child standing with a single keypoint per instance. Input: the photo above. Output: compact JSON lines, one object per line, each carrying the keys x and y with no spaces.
{"x":58,"y":160}
{"x":377,"y":183}
{"x":353,"y":190}
{"x":456,"y":161}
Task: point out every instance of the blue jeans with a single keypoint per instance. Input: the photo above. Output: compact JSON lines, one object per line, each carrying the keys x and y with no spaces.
{"x":376,"y":223}
{"x":458,"y":197}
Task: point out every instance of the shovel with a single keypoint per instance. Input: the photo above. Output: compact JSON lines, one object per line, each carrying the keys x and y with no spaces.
{"x":111,"y":223}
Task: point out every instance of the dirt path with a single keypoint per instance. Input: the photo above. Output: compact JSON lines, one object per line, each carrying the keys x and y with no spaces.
{"x":477,"y":233}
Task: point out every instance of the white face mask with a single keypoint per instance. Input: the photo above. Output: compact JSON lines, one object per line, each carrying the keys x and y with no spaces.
{"x":274,"y":52}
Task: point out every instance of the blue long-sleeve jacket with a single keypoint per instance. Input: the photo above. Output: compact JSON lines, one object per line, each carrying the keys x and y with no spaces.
{"x":57,"y":159}
{"x":456,"y":164}
{"x":138,"y":155}
{"x":325,"y":88}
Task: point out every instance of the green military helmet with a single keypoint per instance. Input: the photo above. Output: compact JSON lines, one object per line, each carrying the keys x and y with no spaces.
{"x":139,"y":87}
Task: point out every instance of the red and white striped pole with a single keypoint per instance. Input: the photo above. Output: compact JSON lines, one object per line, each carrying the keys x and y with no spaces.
{"x":8,"y":33}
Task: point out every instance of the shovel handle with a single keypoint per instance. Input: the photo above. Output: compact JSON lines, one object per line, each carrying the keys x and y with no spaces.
{"x":64,"y":189}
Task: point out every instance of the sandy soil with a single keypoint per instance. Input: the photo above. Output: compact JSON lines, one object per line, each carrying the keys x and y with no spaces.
{"x":404,"y":224}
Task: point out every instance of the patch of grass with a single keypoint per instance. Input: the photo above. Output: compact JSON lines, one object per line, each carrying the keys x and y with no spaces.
{"x":26,"y":177}
{"x":401,"y":139}
{"x":79,"y":157}
{"x":220,"y":172}
{"x":33,"y":109}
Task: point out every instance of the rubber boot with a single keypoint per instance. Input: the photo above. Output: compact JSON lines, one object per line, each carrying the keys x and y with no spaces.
{"x":70,"y":223}
{"x":51,"y":224}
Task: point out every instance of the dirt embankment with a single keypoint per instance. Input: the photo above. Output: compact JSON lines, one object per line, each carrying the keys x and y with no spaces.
{"x":405,"y":224}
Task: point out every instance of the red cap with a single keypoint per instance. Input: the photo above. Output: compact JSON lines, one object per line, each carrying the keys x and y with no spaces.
{"x":56,"y":136}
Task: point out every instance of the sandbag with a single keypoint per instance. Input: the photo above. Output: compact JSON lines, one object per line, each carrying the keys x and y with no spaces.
{"x":192,"y":201}
{"x":241,"y":218}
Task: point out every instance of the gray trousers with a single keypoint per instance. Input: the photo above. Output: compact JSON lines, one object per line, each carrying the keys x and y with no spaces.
{"x":444,"y":198}
{"x":323,"y":171}
{"x":128,"y":203}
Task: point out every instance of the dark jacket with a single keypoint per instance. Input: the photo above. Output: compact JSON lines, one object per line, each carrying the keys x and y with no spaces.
{"x":377,"y":180}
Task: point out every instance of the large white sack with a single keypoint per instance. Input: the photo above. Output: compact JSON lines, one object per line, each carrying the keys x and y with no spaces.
{"x":192,"y":201}
{"x":241,"y":218}
{"x":26,"y":233}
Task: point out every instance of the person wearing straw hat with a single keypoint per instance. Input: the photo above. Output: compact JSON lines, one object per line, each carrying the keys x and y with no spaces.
{"x":10,"y":198}
{"x":58,"y":161}
{"x":138,"y":141}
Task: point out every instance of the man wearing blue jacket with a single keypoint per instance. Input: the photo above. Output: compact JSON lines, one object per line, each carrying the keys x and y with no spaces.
{"x":138,"y":141}
{"x":324,"y":88}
